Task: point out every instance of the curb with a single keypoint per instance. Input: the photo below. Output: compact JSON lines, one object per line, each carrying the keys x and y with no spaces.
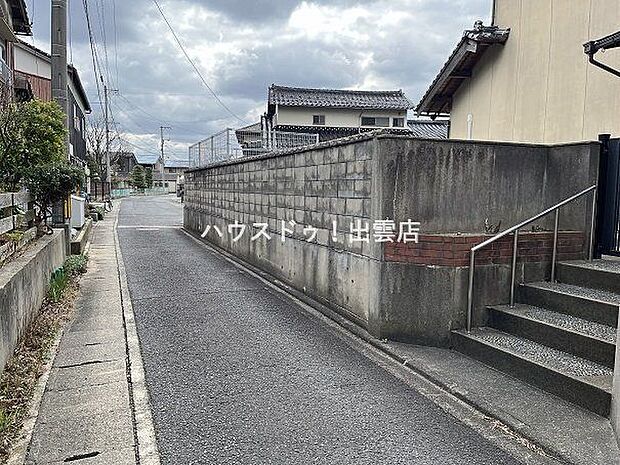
{"x":147,"y":452}
{"x":453,"y":402}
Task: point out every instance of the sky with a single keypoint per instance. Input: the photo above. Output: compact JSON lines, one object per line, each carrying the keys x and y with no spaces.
{"x":243,"y":46}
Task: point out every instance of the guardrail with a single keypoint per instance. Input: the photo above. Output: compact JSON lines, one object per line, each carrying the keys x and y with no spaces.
{"x":16,"y":211}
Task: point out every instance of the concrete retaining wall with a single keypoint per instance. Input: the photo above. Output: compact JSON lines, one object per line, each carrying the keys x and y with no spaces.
{"x":448,"y":186}
{"x":24,"y":282}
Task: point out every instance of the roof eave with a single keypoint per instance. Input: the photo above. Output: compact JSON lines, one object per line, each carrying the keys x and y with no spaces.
{"x":21,"y":23}
{"x":435,"y":102}
{"x":77,"y":82}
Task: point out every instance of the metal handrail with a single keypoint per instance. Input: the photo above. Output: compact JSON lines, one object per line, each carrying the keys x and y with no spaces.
{"x":515,"y":230}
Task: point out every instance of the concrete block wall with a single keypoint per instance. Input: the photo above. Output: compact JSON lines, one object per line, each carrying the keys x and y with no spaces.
{"x":328,"y":189}
{"x":24,"y":282}
{"x":450,"y":187}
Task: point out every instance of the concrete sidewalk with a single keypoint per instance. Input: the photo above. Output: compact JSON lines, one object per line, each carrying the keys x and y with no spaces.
{"x":86,"y":413}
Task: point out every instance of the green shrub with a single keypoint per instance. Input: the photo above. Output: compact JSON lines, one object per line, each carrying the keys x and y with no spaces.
{"x":76,"y":265}
{"x":58,"y":284}
{"x":13,"y":236}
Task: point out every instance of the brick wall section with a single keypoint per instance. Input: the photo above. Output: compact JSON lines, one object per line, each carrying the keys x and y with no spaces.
{"x":453,"y":250}
{"x":311,"y":188}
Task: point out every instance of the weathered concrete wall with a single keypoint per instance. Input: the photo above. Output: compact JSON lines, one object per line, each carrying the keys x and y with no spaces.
{"x":448,"y":186}
{"x":452,"y":187}
{"x":24,"y":282}
{"x":310,"y":188}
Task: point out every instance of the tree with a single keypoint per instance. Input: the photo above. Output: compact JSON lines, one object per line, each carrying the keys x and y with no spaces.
{"x":148,"y":178}
{"x":52,"y":182}
{"x":96,"y":142}
{"x":137,"y":177}
{"x":31,"y":133}
{"x":33,"y":152}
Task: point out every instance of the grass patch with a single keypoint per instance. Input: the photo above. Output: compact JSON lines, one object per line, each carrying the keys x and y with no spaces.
{"x":18,"y":381}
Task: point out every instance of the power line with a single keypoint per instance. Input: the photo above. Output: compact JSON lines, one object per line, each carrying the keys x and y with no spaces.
{"x":115,"y":42}
{"x":191,"y":62}
{"x":93,"y":50}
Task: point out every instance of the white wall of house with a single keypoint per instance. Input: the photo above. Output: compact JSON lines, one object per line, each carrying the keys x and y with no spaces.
{"x":539,"y":87}
{"x":28,"y":62}
{"x":334,"y":117}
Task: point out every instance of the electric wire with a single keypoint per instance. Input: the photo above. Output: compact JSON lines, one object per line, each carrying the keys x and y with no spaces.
{"x":191,"y":62}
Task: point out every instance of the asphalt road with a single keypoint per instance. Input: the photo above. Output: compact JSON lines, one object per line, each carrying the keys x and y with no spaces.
{"x":237,"y":374}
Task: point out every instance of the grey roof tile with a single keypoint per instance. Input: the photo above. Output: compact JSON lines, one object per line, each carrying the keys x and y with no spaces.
{"x":429,"y":129}
{"x":337,"y":98}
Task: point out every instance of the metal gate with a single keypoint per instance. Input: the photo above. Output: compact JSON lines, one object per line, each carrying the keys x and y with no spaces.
{"x":608,"y":240}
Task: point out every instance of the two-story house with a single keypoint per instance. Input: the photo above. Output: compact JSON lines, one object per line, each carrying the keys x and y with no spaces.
{"x":173,"y":170}
{"x":334,"y":113}
{"x":33,"y":79}
{"x":13,"y":21}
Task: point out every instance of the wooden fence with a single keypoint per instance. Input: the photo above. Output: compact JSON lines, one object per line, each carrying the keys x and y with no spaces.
{"x":16,"y":211}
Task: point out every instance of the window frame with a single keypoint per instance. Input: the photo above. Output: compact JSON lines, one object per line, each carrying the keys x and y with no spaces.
{"x":375,"y":124}
{"x":400,"y":119}
{"x":320,"y":118}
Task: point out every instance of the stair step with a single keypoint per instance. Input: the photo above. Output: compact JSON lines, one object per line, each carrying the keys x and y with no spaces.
{"x":596,"y":274}
{"x":583,"y":338}
{"x":573,"y":378}
{"x":594,"y":305}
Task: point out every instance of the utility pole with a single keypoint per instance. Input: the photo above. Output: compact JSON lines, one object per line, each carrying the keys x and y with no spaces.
{"x":163,"y":155}
{"x":108,"y":178}
{"x":59,"y":58}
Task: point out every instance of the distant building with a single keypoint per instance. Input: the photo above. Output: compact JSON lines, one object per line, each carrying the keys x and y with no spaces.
{"x":335,"y":113}
{"x":173,"y":170}
{"x":146,"y":161}
{"x":33,"y":79}
{"x":526,"y":77}
{"x":13,"y":21}
{"x":124,"y":163}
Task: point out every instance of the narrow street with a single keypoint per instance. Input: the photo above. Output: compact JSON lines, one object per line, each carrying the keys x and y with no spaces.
{"x":238,"y":374}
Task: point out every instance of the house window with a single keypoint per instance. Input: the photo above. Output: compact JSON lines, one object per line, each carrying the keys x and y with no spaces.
{"x":377,"y":121}
{"x":318,"y":120}
{"x":398,"y":122}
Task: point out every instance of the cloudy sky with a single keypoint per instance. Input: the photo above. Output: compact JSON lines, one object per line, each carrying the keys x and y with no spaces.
{"x":243,"y":46}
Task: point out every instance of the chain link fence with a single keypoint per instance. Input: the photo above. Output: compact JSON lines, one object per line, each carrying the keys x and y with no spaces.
{"x":231,"y":144}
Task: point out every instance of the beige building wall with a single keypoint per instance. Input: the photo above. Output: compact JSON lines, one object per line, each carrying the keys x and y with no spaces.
{"x":539,"y":86}
{"x":334,"y":117}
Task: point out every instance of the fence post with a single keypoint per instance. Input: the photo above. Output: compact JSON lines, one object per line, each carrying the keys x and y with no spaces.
{"x":212,"y":158}
{"x":228,"y":143}
{"x":13,"y":209}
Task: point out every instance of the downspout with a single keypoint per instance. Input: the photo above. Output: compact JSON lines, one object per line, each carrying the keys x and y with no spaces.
{"x":470,"y":126}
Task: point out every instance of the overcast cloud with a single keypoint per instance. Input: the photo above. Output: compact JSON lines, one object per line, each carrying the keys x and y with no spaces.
{"x":243,"y":46}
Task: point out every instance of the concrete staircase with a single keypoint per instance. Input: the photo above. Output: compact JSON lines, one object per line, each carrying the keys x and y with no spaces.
{"x":560,"y":337}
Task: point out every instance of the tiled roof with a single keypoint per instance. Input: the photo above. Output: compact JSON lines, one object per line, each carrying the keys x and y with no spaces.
{"x":473,"y":44}
{"x":426,"y":129}
{"x":335,"y":98}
